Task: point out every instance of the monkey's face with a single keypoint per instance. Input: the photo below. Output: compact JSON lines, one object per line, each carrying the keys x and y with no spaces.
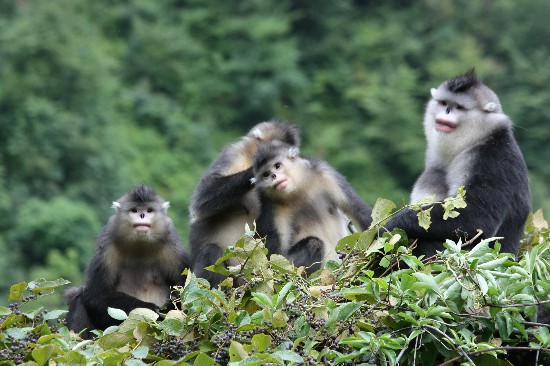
{"x":142,"y":222}
{"x":283,"y":177}
{"x":447,"y":112}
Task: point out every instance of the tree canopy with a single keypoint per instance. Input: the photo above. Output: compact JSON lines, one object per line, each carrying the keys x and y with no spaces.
{"x":98,"y":96}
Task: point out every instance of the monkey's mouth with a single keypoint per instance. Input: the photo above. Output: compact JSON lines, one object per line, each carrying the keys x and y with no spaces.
{"x":444,"y":125}
{"x":142,"y":227}
{"x":281,"y":184}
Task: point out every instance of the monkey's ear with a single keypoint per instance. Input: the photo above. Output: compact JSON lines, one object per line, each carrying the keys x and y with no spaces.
{"x":115,"y":205}
{"x":253,"y":180}
{"x":165,"y":205}
{"x":257,"y":133}
{"x":293,"y":152}
{"x":490,"y":107}
{"x":432,"y":92}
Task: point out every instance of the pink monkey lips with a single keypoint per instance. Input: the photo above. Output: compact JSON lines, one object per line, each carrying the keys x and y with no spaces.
{"x":142,"y":227}
{"x":444,"y":125}
{"x":280,"y":184}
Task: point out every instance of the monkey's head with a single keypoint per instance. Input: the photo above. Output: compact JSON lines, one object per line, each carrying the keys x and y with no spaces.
{"x":276,"y":130}
{"x":279,"y":171}
{"x":462,"y":105}
{"x":141,"y":216}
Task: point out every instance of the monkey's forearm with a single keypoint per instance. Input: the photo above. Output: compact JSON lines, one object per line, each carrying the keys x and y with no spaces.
{"x":462,"y":226}
{"x":218,"y":192}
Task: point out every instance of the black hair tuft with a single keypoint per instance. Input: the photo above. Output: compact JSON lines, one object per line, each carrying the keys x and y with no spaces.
{"x":463,"y":83}
{"x":142,"y":193}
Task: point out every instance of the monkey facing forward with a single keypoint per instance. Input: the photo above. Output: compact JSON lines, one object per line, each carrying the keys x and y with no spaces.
{"x":224,"y":200}
{"x":304,"y":203}
{"x":138,"y":256}
{"x":471,"y":144}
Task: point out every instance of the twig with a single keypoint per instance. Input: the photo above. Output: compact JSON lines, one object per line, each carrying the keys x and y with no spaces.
{"x":450,"y":340}
{"x":448,"y":362}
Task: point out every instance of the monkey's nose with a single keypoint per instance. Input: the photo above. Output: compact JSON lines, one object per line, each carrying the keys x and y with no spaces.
{"x":273,"y":176}
{"x":142,"y":215}
{"x":448,"y":110}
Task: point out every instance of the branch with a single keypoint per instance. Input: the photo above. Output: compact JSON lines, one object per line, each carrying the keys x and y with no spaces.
{"x":448,"y":362}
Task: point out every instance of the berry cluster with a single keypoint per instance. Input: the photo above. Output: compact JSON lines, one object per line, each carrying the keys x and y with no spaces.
{"x":172,"y":348}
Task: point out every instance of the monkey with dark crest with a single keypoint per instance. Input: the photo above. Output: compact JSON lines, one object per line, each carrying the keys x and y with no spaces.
{"x":224,"y":200}
{"x":305,"y":205}
{"x":470,"y":144}
{"x":138,"y":256}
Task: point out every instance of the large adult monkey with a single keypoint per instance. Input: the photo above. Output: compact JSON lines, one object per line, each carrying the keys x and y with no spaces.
{"x":470,"y":143}
{"x":139,"y":255}
{"x":225,"y":199}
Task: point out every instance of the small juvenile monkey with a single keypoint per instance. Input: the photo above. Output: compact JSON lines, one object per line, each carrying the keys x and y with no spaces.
{"x":304,"y":203}
{"x":471,"y":144}
{"x":138,"y":256}
{"x":225,"y":200}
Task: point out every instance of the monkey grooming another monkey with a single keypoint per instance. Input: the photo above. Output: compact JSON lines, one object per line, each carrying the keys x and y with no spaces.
{"x":224,"y":200}
{"x":470,"y":144}
{"x":138,"y":256}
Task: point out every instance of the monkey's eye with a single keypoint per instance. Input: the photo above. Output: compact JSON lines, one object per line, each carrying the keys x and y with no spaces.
{"x":265,"y":174}
{"x":277,"y":165}
{"x":134,"y":210}
{"x":460,"y":107}
{"x":442,"y":102}
{"x":149,"y":210}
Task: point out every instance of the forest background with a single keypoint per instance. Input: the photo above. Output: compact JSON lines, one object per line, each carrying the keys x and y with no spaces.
{"x":96,"y":96}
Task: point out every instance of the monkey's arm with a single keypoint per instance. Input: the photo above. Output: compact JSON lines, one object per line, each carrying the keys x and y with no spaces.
{"x":217,"y":192}
{"x":98,"y":295}
{"x":346,"y":197}
{"x":265,"y":227}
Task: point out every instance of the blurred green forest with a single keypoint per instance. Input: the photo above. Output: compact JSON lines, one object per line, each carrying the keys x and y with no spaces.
{"x":96,"y":96}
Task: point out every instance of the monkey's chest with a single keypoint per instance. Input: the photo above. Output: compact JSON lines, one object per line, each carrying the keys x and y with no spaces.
{"x":144,"y":283}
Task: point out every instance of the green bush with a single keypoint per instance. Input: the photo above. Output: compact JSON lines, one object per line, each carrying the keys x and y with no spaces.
{"x":473,"y":307}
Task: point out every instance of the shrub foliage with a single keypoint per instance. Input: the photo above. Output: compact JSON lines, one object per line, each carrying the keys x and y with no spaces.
{"x":379,"y":306}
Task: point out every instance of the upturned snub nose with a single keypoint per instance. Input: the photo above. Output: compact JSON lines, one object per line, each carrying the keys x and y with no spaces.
{"x":448,"y":110}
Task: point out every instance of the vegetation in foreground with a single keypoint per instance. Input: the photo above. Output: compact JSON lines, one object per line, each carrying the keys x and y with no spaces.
{"x":380,"y":306}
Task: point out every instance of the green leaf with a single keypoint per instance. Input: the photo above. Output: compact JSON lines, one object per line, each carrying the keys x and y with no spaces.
{"x":140,"y":352}
{"x":133,"y":362}
{"x":16,"y":291}
{"x":42,"y":355}
{"x":172,"y":326}
{"x":482,"y":283}
{"x":381,"y":211}
{"x":117,"y":314}
{"x":204,"y":360}
{"x":54,"y":314}
{"x":261,"y":342}
{"x":261,"y":299}
{"x":114,"y":340}
{"x":290,"y":356}
{"x":280,"y":319}
{"x":424,"y":218}
{"x":349,"y":241}
{"x":41,"y":285}
{"x":282,"y":294}
{"x":427,"y":280}
{"x":237,"y":351}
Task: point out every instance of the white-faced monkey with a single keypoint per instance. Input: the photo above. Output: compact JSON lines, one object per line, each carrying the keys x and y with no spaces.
{"x":304,"y":203}
{"x":138,"y":256}
{"x":470,"y":143}
{"x":225,"y":200}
